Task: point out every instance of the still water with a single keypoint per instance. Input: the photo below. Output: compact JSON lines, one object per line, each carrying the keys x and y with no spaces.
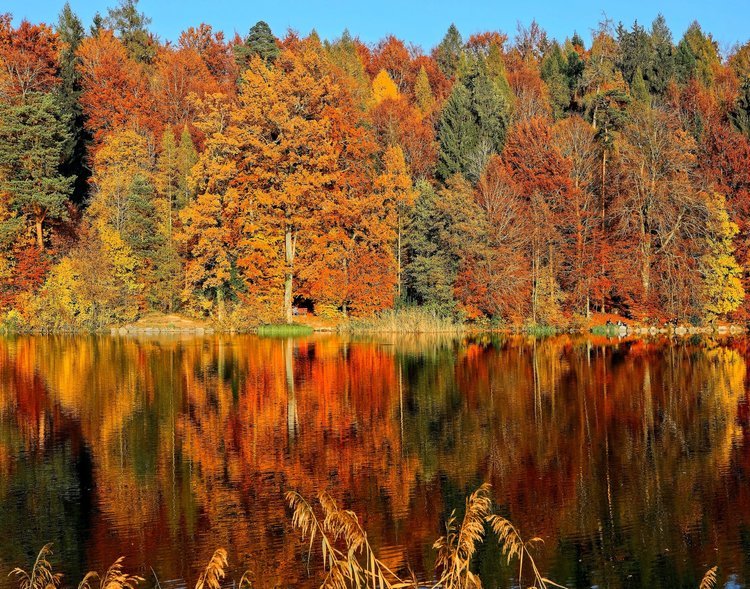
{"x":631,"y":459}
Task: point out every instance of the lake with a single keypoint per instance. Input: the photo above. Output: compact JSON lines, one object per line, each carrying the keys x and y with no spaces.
{"x":630,"y":458}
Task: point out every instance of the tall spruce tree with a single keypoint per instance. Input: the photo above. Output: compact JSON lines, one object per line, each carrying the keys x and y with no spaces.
{"x":473,"y":123}
{"x":449,"y":52}
{"x":660,"y":69}
{"x":71,"y":33}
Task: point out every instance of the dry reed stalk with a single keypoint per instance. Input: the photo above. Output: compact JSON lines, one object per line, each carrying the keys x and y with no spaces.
{"x":41,"y":575}
{"x":214,"y":572}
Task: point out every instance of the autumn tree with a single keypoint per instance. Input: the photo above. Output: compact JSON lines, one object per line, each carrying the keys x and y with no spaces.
{"x":659,"y":207}
{"x":208,"y":233}
{"x":722,"y":274}
{"x":115,"y":94}
{"x":28,"y":59}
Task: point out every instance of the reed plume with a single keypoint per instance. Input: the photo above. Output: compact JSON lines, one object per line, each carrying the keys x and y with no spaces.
{"x":114,"y":578}
{"x":214,"y":572}
{"x":512,"y":545}
{"x":348,"y":558}
{"x":709,"y":579}
{"x":459,"y":544}
{"x":41,"y":575}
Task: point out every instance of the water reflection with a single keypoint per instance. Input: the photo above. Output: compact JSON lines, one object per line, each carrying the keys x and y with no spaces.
{"x":630,"y":458}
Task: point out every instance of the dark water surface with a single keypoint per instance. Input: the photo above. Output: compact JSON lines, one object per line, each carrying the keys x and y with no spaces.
{"x":631,"y":459}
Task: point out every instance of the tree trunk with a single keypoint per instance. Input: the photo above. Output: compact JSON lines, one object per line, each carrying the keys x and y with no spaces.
{"x":288,"y":282}
{"x":39,"y":234}
{"x":398,"y":276}
{"x":220,"y":303}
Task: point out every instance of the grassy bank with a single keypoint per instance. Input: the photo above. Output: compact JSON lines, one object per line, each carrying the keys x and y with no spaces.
{"x":284,"y":330}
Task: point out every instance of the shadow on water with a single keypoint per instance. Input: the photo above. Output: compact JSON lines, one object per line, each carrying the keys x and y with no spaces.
{"x":628,"y":457}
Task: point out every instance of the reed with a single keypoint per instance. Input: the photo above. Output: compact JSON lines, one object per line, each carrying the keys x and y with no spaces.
{"x":456,"y":549}
{"x":512,"y":546}
{"x":709,"y":579}
{"x":350,"y":562}
{"x":348,"y":559}
{"x":353,"y":565}
{"x":406,"y":320}
{"x":114,"y":578}
{"x":284,"y":330}
{"x":214,"y":572}
{"x":40,"y":576}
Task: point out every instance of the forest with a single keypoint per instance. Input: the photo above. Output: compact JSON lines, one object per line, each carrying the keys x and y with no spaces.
{"x":512,"y":179}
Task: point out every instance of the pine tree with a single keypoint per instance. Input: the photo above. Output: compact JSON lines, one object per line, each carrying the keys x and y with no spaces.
{"x":131,"y":27}
{"x":554,"y":66}
{"x":32,"y":138}
{"x":260,"y":41}
{"x":457,"y":133}
{"x":685,"y":64}
{"x":661,"y":66}
{"x":473,"y":124}
{"x":71,"y":33}
{"x":638,"y":88}
{"x":740,"y":114}
{"x":448,"y":53}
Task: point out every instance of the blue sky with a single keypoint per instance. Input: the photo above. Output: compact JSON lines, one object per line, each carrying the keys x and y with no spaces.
{"x":421,"y":22}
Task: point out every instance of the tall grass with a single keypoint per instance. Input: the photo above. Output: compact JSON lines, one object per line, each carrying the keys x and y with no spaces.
{"x":348,"y":560}
{"x":284,"y":330}
{"x":406,"y":320}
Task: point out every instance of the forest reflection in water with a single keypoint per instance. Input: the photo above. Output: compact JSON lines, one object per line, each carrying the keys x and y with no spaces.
{"x":630,"y":458}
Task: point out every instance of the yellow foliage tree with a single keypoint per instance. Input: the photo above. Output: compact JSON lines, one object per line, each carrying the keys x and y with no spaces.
{"x":384,"y":88}
{"x":723,"y":290}
{"x":395,"y":185}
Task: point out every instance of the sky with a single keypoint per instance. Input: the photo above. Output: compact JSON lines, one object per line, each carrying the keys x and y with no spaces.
{"x":420,"y":22}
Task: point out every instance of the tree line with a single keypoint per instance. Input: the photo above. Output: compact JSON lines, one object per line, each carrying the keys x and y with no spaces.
{"x":517,"y":180}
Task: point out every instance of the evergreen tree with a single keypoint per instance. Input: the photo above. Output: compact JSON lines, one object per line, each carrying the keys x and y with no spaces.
{"x":457,"y":133}
{"x":449,"y":52}
{"x":260,"y":41}
{"x":140,"y":229}
{"x":71,"y":33}
{"x":97,"y":24}
{"x":473,"y":124}
{"x":704,"y":51}
{"x":131,"y":27}
{"x":32,"y":138}
{"x":685,"y":64}
{"x":635,"y":50}
{"x":554,"y":66}
{"x":661,"y":66}
{"x":638,"y":89}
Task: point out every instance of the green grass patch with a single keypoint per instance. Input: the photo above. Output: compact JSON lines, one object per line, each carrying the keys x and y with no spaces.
{"x":284,"y":330}
{"x":540,"y":330}
{"x":607,"y":330}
